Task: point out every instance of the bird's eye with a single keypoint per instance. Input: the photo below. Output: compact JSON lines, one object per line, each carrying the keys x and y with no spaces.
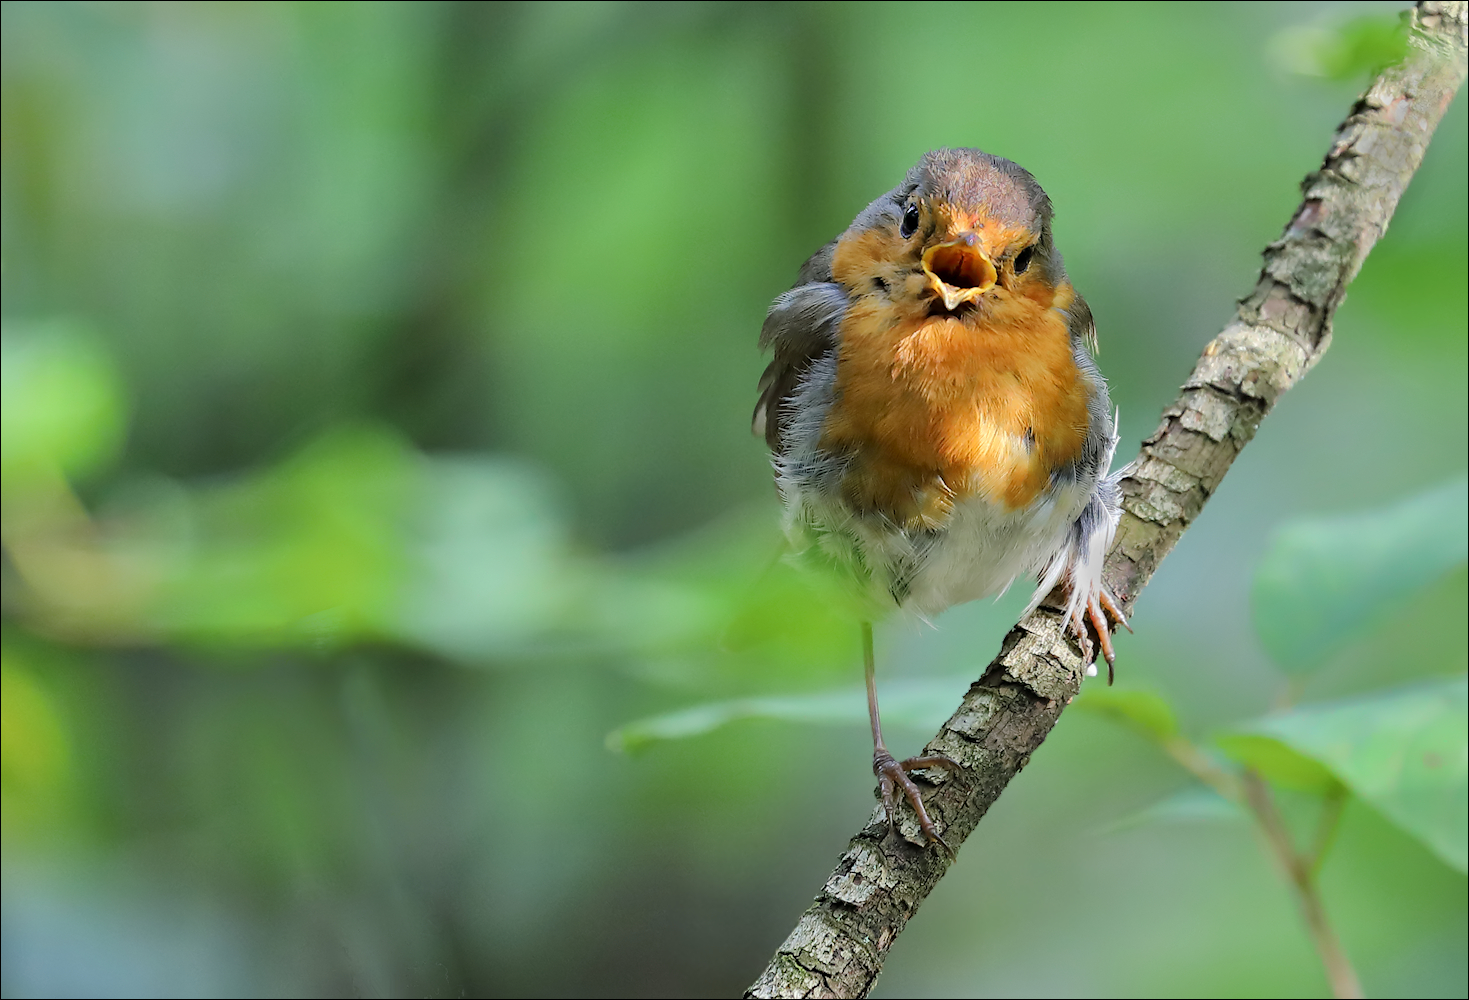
{"x":1022,"y":260}
{"x":910,"y":220}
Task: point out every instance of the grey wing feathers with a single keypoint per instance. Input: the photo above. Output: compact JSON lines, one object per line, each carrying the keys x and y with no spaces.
{"x":801,"y":326}
{"x":1083,"y":326}
{"x":1096,"y":451}
{"x":1081,"y":555}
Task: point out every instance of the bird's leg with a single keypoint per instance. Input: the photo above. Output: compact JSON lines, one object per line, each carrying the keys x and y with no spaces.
{"x":892,"y":774}
{"x":1104,"y":614}
{"x":1109,"y":604}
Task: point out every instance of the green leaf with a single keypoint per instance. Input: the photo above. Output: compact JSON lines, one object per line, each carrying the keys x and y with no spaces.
{"x":1342,"y":52}
{"x":721,"y":602}
{"x":35,"y":745}
{"x":1323,"y":580}
{"x":1193,"y":804}
{"x":918,"y":703}
{"x":62,"y":404}
{"x":307,"y":552}
{"x":1143,"y":711}
{"x":1405,"y":752}
{"x":488,"y":565}
{"x":1277,"y":762}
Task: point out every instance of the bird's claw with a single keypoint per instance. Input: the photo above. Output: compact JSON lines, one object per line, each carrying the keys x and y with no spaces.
{"x":892,"y":775}
{"x":1104,"y":615}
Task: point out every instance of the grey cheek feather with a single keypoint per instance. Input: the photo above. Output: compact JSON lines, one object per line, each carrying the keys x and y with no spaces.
{"x":818,"y":267}
{"x":885,"y":210}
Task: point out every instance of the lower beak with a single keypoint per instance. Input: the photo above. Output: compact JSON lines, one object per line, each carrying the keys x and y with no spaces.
{"x":958,"y":272}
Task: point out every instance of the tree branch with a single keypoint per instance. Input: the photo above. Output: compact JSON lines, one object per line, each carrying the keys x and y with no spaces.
{"x":1281,"y":329}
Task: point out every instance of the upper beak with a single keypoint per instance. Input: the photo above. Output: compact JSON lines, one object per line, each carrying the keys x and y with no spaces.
{"x":958,"y":271}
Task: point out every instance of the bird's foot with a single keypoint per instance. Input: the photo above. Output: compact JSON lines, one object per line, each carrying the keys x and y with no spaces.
{"x":892,"y":775}
{"x":1103,"y":614}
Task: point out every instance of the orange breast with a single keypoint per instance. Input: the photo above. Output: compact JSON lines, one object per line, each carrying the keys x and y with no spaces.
{"x":937,"y":409}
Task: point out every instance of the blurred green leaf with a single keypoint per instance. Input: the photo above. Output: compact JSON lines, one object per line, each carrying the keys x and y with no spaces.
{"x":1323,"y":580}
{"x":1406,"y":752}
{"x":793,"y":606}
{"x":1142,"y":711}
{"x":1192,"y":804}
{"x":35,"y":747}
{"x":1277,"y":762}
{"x":309,"y":552}
{"x":62,"y":404}
{"x":719,"y":609}
{"x":487,"y":559}
{"x":1341,"y":52}
{"x":680,"y":593}
{"x":919,"y":703}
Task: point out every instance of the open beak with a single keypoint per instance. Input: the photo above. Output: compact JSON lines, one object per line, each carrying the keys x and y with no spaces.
{"x":958,"y":271}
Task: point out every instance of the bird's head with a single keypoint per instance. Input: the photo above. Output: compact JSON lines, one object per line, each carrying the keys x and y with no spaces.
{"x":964,"y":227}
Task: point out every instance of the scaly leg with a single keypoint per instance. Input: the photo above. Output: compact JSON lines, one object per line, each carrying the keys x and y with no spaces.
{"x":1104,"y":615}
{"x":892,"y":774}
{"x":1110,"y":606}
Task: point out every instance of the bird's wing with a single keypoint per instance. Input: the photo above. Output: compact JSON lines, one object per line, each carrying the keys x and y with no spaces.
{"x":1081,"y":555}
{"x":1096,"y":453}
{"x":802,"y":325}
{"x":1083,"y":327}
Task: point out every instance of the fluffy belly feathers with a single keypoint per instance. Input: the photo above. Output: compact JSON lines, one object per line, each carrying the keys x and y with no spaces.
{"x":932,"y":410}
{"x":982,"y":548}
{"x":932,"y":460}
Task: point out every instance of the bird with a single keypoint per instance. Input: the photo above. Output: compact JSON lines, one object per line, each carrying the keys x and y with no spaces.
{"x":937,"y":424}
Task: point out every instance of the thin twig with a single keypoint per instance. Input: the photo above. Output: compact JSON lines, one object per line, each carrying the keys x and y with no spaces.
{"x":1197,"y":763}
{"x":1281,"y":329}
{"x":1300,"y":872}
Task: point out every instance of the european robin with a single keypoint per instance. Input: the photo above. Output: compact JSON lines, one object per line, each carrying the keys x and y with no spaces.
{"x":937,"y":423}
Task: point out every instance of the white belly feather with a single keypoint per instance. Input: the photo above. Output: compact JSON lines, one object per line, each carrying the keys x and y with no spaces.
{"x":983,"y":548}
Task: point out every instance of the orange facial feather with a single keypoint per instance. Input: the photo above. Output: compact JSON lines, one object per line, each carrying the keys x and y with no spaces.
{"x":934,"y":409}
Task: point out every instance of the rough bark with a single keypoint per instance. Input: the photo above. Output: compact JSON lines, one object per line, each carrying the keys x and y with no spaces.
{"x":1282,"y":328}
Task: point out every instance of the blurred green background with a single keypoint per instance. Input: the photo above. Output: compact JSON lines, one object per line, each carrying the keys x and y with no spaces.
{"x":376,"y":392}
